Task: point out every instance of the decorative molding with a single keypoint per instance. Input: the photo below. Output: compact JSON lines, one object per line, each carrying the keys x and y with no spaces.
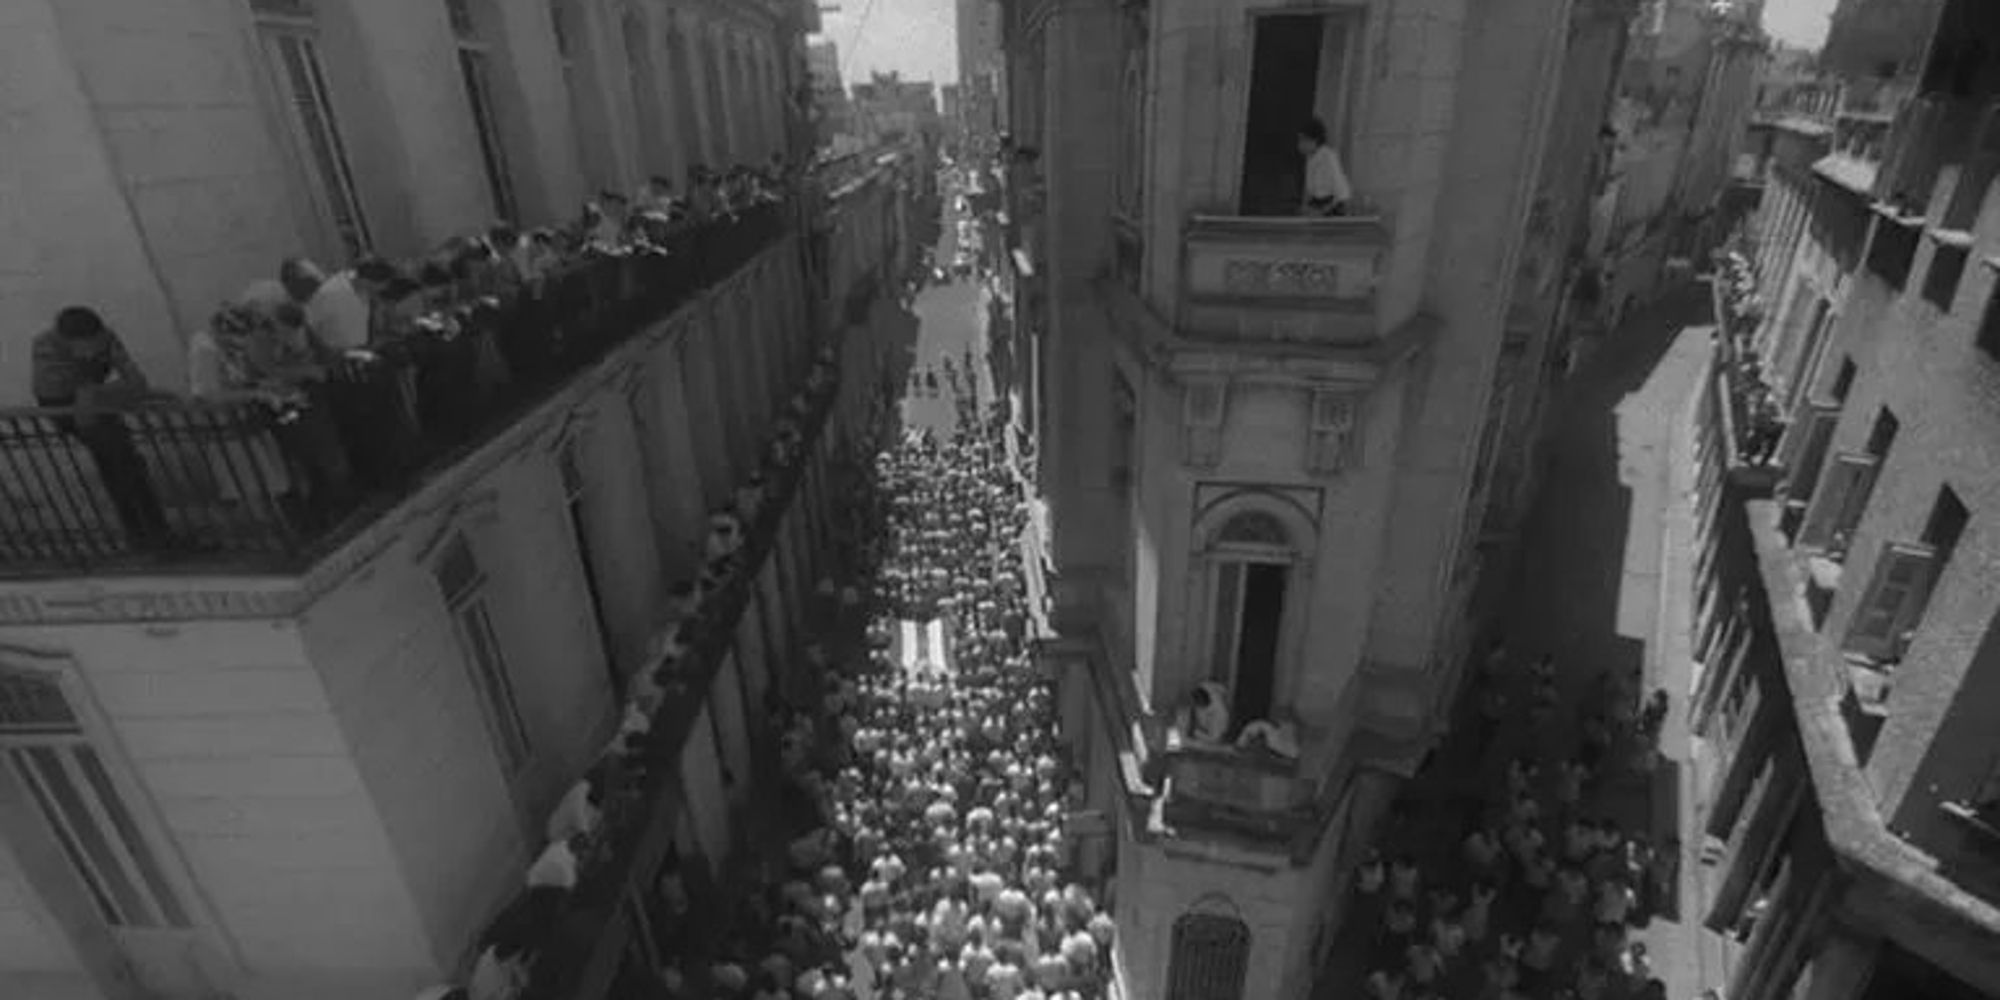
{"x":78,"y":603}
{"x":1250,"y":276}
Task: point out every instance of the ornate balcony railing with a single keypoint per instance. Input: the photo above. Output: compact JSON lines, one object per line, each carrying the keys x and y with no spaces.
{"x":247,"y":485}
{"x":1302,"y":279}
{"x":1249,"y":792}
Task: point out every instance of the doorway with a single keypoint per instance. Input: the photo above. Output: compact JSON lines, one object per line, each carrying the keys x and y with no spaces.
{"x":1257,"y":645}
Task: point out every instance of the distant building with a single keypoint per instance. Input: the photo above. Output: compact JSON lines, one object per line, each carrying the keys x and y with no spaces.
{"x":1684,"y":100}
{"x":982,"y":74}
{"x":832,"y":113}
{"x":888,"y":107}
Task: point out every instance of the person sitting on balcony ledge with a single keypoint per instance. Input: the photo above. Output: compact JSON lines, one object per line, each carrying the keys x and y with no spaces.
{"x":1206,"y":719}
{"x":1327,"y":190}
{"x":81,"y":362}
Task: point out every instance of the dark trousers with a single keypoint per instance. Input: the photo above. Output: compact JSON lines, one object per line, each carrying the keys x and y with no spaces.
{"x":123,"y":471}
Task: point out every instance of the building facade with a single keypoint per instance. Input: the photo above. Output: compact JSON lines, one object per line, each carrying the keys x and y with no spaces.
{"x":303,"y":741}
{"x":332,"y":129}
{"x":1845,"y":615}
{"x":1253,"y":435}
{"x":888,"y":108}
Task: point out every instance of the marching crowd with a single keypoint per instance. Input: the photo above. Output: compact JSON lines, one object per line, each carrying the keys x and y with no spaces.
{"x":1540,"y":895}
{"x":933,"y":861}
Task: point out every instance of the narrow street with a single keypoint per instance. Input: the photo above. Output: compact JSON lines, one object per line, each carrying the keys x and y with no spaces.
{"x":1588,"y":591}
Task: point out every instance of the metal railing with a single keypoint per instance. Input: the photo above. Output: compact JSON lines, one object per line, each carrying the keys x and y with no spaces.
{"x":266,"y":484}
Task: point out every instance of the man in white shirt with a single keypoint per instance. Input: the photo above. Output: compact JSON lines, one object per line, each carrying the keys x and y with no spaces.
{"x":341,"y":309}
{"x":1327,"y":191}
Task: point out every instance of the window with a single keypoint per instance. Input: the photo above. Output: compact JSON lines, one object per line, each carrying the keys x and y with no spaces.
{"x":1838,"y":502}
{"x":573,"y":490}
{"x":1124,"y":435}
{"x":1892,"y":251}
{"x":1988,"y":339}
{"x":473,"y":70}
{"x":1211,"y":958}
{"x":1332,"y":430}
{"x":1894,"y":602}
{"x":1250,"y":575}
{"x":64,"y":777}
{"x":1203,"y":407}
{"x":1303,"y":66}
{"x":1805,"y":447}
{"x":1941,"y":281}
{"x":1132,"y":117}
{"x":290,"y":42}
{"x":1893,"y":605}
{"x":463,"y":583}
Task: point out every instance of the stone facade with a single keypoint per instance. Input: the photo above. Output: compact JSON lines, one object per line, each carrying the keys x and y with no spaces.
{"x":1844,"y":622}
{"x":169,"y":160}
{"x":1256,"y":434}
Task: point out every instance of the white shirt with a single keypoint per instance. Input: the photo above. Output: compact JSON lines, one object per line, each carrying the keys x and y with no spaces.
{"x":1325,"y":178}
{"x":338,"y":313}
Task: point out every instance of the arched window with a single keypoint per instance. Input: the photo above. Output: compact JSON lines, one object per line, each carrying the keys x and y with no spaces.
{"x":1211,"y":957}
{"x":1252,"y":566}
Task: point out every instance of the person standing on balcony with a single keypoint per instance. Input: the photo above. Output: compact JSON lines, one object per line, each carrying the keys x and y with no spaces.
{"x":80,"y":362}
{"x":1327,"y":191}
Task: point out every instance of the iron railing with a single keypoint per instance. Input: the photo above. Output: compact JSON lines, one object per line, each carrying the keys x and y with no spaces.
{"x":267,"y":484}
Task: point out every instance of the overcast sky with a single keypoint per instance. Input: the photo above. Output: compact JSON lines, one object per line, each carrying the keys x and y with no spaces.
{"x":915,"y":37}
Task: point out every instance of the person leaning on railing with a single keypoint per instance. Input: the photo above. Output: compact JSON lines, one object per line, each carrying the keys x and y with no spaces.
{"x":80,"y":364}
{"x":273,"y":356}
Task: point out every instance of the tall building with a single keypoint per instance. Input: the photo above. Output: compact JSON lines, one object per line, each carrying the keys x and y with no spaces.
{"x":287,"y":699}
{"x":1686,"y":91}
{"x":889,"y":106}
{"x":832,"y":115}
{"x":1256,"y":436}
{"x":1845,"y":609}
{"x":981,"y":74}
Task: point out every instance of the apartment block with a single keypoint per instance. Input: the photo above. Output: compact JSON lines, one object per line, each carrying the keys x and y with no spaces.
{"x":1254,"y":436}
{"x":1846,"y":609}
{"x":303,"y":741}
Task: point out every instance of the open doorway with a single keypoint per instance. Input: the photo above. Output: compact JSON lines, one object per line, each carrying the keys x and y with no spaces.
{"x":1302,"y":67}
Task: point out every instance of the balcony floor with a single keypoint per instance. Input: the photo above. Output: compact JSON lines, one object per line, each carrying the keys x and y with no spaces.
{"x":1587,"y":589}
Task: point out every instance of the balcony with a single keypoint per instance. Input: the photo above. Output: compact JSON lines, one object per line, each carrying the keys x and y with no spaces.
{"x":1305,"y":280}
{"x":263,"y":485}
{"x":1251,"y":794}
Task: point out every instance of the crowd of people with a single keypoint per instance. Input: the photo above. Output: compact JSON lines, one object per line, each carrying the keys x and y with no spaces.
{"x":926,"y":855}
{"x":1538,"y":898}
{"x":374,"y":339}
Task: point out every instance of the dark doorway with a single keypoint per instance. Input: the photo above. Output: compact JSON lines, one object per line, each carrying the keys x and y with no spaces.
{"x":1257,"y":643}
{"x":1284,"y":83}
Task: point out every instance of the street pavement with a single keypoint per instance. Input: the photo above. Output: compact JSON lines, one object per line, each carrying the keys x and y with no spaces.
{"x":1588,"y":591}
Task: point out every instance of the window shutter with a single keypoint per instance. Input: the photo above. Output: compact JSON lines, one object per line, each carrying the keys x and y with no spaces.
{"x":1894,"y":602}
{"x":1204,"y":406}
{"x":1331,"y":430}
{"x":1837,"y":503}
{"x":1803,"y":452}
